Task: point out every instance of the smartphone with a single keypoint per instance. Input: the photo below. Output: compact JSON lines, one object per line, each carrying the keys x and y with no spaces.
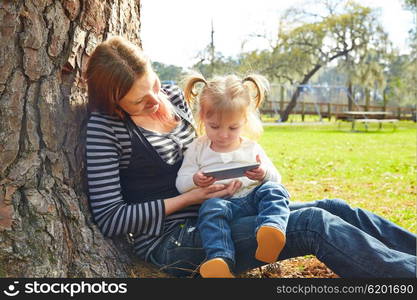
{"x":226,"y":173}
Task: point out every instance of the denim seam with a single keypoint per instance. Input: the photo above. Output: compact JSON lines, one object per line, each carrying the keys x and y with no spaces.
{"x":230,"y":254}
{"x":358,"y":264}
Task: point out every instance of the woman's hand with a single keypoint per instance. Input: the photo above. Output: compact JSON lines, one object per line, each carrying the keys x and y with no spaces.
{"x":202,"y":180}
{"x":199,"y":195}
{"x":258,"y":173}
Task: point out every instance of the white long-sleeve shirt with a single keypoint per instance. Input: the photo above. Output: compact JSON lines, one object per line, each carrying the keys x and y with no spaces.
{"x":200,"y":157}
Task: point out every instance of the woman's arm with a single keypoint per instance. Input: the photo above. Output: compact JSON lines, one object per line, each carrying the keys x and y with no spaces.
{"x":112,"y":214}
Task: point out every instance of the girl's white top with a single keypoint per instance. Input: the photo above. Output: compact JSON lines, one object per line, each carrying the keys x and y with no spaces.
{"x":200,"y":157}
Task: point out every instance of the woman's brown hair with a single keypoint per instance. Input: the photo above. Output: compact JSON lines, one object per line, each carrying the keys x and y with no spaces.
{"x":111,"y":71}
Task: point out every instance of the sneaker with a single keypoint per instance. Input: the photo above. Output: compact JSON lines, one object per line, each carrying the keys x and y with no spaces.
{"x":271,"y":241}
{"x":215,"y":268}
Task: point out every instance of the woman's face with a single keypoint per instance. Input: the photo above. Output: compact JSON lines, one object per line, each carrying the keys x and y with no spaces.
{"x":142,"y":98}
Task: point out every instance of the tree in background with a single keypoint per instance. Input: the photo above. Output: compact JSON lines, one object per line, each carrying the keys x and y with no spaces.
{"x":400,"y":85}
{"x":367,"y":73}
{"x":217,"y":65}
{"x":410,"y":70}
{"x":168,"y":72}
{"x":339,"y":35}
{"x":308,"y":42}
{"x":401,"y":71}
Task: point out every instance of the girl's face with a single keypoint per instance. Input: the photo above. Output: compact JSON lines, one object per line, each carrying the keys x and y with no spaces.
{"x":142,"y":98}
{"x":224,"y":131}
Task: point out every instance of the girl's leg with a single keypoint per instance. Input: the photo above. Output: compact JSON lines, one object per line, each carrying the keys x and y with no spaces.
{"x":270,"y":202}
{"x":181,"y":252}
{"x":213,"y":224}
{"x":215,"y":215}
{"x":385,"y":231}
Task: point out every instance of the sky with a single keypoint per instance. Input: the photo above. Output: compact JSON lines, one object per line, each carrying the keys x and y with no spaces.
{"x":174,"y":31}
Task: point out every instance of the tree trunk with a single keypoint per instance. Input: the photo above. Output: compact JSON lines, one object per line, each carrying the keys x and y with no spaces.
{"x":350,"y":96}
{"x":293,"y":102}
{"x":367,"y":98}
{"x":385,"y":99}
{"x":45,"y":222}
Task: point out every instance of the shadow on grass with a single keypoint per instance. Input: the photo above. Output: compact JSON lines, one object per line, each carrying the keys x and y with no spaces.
{"x":343,"y":128}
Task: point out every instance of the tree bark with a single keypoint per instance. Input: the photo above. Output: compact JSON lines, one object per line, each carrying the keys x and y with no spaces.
{"x":45,"y":222}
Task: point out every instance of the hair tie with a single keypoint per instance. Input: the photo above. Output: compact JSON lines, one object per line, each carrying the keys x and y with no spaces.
{"x":194,"y":82}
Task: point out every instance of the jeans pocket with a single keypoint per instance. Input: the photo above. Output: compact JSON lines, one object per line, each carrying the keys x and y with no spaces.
{"x":180,"y":253}
{"x":188,"y":235}
{"x":159,"y":255}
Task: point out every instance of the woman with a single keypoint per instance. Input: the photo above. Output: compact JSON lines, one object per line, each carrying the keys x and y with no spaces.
{"x":136,"y":135}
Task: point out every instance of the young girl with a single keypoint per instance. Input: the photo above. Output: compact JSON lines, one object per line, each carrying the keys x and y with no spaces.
{"x":227,"y":113}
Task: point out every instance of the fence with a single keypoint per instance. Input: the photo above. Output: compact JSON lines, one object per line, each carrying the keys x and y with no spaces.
{"x":335,"y":110}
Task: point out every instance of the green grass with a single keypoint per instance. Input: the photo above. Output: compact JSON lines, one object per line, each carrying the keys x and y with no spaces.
{"x":375,"y":170}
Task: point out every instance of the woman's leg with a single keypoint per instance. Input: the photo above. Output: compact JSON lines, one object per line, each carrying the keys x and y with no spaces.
{"x":180,"y":252}
{"x":347,"y":250}
{"x":385,"y":231}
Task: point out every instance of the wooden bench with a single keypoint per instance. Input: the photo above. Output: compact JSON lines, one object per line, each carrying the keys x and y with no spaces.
{"x":379,"y":121}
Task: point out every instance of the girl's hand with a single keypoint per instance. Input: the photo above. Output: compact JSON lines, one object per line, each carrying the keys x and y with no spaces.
{"x":203,"y":181}
{"x":257,"y":173}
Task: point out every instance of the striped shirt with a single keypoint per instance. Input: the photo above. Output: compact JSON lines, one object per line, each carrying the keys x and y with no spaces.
{"x":108,"y":150}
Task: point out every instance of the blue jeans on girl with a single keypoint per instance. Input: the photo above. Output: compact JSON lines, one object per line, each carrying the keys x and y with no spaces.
{"x":353,"y":242}
{"x":268,"y":202}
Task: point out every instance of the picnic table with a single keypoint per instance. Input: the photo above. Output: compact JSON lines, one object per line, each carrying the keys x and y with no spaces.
{"x":367,"y":117}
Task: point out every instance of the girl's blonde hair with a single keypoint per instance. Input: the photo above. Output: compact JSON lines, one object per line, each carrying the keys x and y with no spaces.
{"x":224,"y":95}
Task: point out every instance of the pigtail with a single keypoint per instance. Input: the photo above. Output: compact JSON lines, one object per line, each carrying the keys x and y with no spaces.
{"x":253,"y":125}
{"x":262,"y":86}
{"x":189,"y":85}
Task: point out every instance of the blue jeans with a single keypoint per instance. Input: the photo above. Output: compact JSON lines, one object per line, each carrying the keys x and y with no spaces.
{"x":353,"y":242}
{"x":268,"y":202}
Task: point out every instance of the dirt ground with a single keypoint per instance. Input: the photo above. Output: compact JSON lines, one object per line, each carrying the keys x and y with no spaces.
{"x":300,"y":267}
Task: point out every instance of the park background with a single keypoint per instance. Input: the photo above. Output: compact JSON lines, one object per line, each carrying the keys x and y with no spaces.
{"x":321,"y":53}
{"x":330,"y":57}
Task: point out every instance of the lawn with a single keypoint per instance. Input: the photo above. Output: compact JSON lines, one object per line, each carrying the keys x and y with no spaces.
{"x":375,"y":170}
